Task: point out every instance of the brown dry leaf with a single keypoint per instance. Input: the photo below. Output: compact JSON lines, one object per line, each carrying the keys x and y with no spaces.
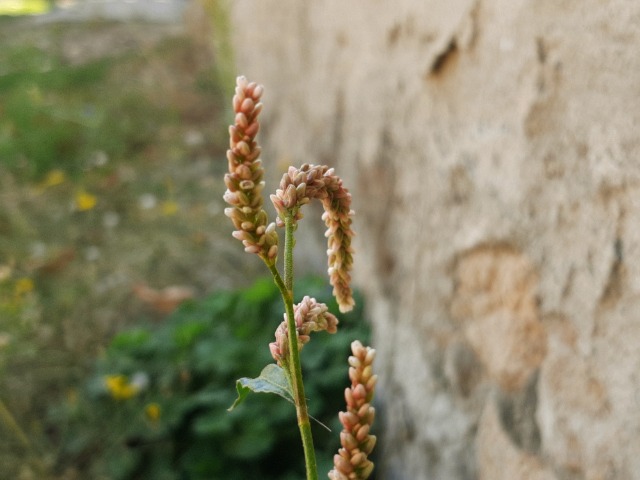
{"x":56,"y":263}
{"x":165,"y":300}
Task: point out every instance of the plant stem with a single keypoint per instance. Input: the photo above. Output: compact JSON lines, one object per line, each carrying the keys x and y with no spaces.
{"x":11,"y":424}
{"x":293,"y":364}
{"x":286,"y":296}
{"x":289,"y":244}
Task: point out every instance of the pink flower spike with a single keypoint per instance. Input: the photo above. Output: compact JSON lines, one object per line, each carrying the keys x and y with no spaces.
{"x":352,"y":463}
{"x":297,"y":188}
{"x":310,"y":316}
{"x":244,"y":180}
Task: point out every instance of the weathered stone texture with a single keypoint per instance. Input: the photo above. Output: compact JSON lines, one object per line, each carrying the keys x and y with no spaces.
{"x":495,"y":301}
{"x":493,"y":150}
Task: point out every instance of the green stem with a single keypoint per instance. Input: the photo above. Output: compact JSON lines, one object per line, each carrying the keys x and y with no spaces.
{"x":289,"y":244}
{"x":286,"y":296}
{"x":293,"y":364}
{"x":11,"y":424}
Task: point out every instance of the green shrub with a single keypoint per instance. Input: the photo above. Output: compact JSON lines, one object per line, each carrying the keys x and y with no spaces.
{"x":165,"y":416}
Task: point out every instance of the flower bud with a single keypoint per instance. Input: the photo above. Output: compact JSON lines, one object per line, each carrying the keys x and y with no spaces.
{"x":243,"y":148}
{"x":241,"y":120}
{"x":354,"y":362}
{"x":241,"y":235}
{"x":357,"y":459}
{"x":289,"y":197}
{"x":347,"y":440}
{"x":359,"y":392}
{"x":247,"y":106}
{"x":252,"y":130}
{"x":342,"y":464}
{"x":371,"y":355}
{"x":348,"y":396}
{"x":368,"y":445}
{"x":365,"y":472}
{"x":362,"y":433}
{"x":247,"y":185}
{"x":336,"y":475}
{"x":353,"y":375}
{"x":363,"y":411}
{"x":348,"y":419}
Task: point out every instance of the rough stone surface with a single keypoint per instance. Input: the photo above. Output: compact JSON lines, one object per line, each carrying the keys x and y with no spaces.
{"x":495,"y":300}
{"x":499,"y":458}
{"x":493,"y":152}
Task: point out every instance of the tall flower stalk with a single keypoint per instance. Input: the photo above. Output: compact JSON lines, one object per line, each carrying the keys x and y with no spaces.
{"x":298,"y":187}
{"x":244,"y":180}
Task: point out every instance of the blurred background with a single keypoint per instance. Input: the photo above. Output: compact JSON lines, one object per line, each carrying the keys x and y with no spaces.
{"x":491,"y":148}
{"x":127,"y":311}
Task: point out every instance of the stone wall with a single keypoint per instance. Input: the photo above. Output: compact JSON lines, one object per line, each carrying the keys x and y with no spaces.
{"x":493,"y":150}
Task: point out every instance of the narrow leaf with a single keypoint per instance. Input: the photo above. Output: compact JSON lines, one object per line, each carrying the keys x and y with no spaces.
{"x":272,"y":379}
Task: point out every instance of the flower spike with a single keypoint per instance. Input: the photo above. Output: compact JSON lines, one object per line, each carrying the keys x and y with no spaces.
{"x":244,"y":180}
{"x":297,"y":188}
{"x":351,"y":462}
{"x":310,"y":316}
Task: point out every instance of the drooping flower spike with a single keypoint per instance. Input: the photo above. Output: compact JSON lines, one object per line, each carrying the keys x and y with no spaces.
{"x":244,"y":180}
{"x":297,"y":188}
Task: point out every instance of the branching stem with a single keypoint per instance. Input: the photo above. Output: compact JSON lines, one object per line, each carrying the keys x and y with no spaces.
{"x":292,"y":365}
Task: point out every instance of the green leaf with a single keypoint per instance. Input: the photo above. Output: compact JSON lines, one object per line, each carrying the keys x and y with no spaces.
{"x":272,"y":379}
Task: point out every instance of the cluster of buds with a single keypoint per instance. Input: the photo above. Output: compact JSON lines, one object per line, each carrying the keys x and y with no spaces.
{"x":351,"y":462}
{"x":297,"y":188}
{"x":310,"y":316}
{"x":244,"y":180}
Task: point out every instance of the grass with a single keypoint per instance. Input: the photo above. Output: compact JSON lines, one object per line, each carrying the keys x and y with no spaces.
{"x":23,"y":7}
{"x":112,"y":142}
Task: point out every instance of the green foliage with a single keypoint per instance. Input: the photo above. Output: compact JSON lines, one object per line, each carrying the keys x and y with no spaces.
{"x":272,"y":379}
{"x":57,"y":115}
{"x":157,"y":404}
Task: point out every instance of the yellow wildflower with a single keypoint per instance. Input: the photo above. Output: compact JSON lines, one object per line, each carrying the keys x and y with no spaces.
{"x":119,"y":387}
{"x":152,"y":412}
{"x":169,"y":208}
{"x":85,"y":201}
{"x":23,"y":286}
{"x":53,"y":178}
